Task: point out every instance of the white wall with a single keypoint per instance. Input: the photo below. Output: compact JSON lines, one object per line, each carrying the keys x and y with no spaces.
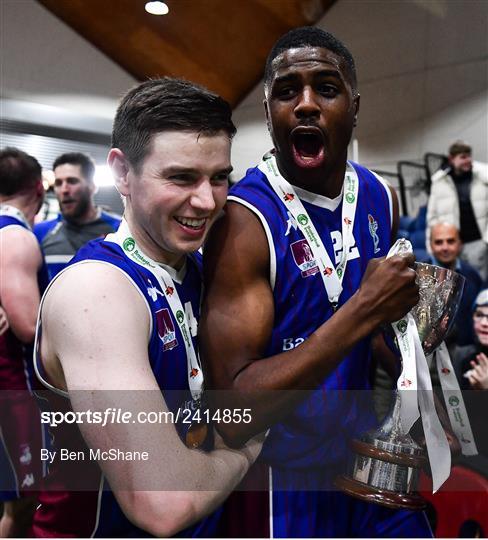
{"x":423,"y":78}
{"x":45,"y":62}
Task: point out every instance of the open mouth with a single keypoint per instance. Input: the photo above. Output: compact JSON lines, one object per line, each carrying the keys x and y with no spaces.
{"x":308,"y":147}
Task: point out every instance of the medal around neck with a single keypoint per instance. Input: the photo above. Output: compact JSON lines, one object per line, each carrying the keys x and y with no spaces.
{"x":386,"y":461}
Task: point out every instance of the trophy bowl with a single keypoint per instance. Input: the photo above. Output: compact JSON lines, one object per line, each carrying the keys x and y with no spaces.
{"x":386,"y":461}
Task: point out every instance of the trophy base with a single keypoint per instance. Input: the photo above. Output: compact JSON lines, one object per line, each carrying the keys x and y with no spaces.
{"x":410,"y":501}
{"x":385,"y":472}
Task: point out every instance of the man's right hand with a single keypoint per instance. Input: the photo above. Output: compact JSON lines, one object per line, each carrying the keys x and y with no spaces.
{"x":389,"y":288}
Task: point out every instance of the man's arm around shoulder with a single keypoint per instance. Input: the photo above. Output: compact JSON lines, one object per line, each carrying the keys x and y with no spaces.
{"x":100,"y":338}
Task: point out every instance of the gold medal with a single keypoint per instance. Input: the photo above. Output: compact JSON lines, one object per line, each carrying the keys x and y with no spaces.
{"x":196,"y":435}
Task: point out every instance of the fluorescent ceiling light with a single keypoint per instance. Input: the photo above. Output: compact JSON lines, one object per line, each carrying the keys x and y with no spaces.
{"x":156,"y":8}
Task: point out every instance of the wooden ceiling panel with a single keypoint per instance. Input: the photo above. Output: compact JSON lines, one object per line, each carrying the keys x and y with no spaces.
{"x":221,"y":44}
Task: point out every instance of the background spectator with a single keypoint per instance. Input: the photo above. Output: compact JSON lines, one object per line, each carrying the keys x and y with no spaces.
{"x":459,"y":195}
{"x":471,"y":365}
{"x":80,"y":220}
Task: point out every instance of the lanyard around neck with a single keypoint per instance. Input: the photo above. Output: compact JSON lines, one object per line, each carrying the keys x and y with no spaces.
{"x":11,"y":211}
{"x":331,"y":275}
{"x":123,"y":237}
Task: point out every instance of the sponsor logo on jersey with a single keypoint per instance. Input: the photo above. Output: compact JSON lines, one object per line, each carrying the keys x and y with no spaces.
{"x":288,"y":197}
{"x":166,"y":329}
{"x":169,"y":291}
{"x":194,"y":372}
{"x":304,"y":259}
{"x":153,"y":291}
{"x":350,"y":198}
{"x":373,"y":228}
{"x":129,"y":244}
{"x":302,"y":219}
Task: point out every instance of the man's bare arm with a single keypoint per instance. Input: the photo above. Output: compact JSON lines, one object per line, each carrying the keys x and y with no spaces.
{"x":237,"y":321}
{"x":101,"y":338}
{"x":19,"y":290}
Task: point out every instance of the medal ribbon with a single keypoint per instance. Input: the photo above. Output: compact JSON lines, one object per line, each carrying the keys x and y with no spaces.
{"x":126,"y":241}
{"x":454,"y":401}
{"x":331,"y":276}
{"x":11,"y":211}
{"x":415,"y":374}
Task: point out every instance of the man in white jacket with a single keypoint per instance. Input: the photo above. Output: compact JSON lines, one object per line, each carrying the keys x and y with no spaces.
{"x":459,"y":195}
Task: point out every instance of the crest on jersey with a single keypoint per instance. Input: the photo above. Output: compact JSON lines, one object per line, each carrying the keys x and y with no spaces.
{"x":166,"y":329}
{"x":373,"y":227}
{"x":304,"y":259}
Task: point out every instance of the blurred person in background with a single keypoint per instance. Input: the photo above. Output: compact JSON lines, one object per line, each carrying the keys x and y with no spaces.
{"x":446,"y":248}
{"x":23,"y":278}
{"x":471,"y":364}
{"x":80,"y":220}
{"x":459,"y":195}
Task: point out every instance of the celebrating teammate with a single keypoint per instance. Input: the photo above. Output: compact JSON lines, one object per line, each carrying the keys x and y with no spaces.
{"x":295,"y":288}
{"x":122,"y":317}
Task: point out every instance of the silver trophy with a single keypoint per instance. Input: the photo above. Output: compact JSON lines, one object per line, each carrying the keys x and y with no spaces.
{"x":387,"y":462}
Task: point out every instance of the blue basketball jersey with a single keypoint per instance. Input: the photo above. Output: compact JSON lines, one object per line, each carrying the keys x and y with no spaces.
{"x":310,"y":447}
{"x":168,"y":361}
{"x":319,"y":429}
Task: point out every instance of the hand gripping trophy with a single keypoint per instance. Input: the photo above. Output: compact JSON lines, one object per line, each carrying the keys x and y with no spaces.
{"x":387,"y":461}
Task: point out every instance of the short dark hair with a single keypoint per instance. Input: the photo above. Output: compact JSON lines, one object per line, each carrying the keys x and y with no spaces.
{"x":167,"y":104}
{"x":459,"y":147}
{"x":310,"y":36}
{"x":86,"y":163}
{"x":18,"y":171}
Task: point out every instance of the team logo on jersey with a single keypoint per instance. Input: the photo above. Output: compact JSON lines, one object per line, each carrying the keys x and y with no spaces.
{"x":288,"y":197}
{"x":347,"y":221}
{"x":25,"y":454}
{"x":373,"y":227}
{"x":166,"y":329}
{"x":446,"y":371}
{"x":303,"y":257}
{"x":129,"y":244}
{"x":194,"y":372}
{"x":327,"y":271}
{"x":406,"y":383}
{"x":169,"y":291}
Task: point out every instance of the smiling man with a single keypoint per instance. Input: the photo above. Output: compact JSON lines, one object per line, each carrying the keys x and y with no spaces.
{"x":295,"y":295}
{"x":118,"y":325}
{"x":80,"y":220}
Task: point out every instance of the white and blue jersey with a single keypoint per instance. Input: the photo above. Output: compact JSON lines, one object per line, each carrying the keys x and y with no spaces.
{"x":102,"y":516}
{"x":311,"y":446}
